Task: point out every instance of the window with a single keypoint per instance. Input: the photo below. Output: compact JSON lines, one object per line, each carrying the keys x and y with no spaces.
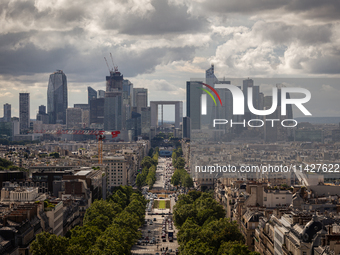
{"x":265,"y":199}
{"x":277,"y":197}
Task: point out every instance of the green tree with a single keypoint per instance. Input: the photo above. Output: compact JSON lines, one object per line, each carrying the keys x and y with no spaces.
{"x":235,"y":248}
{"x":174,"y":157}
{"x":155,"y":159}
{"x":137,"y":206}
{"x":184,"y":212}
{"x":82,"y":239}
{"x":197,"y":247}
{"x":188,"y":183}
{"x":188,"y":231}
{"x":102,"y":207}
{"x":139,"y":181}
{"x":146,"y":162}
{"x":5,"y":163}
{"x":179,"y":152}
{"x":217,"y":231}
{"x":176,"y":178}
{"x":150,"y":152}
{"x":180,"y":163}
{"x":107,"y":228}
{"x":46,"y":243}
{"x":54,"y":155}
{"x":120,"y":198}
{"x":183,"y":200}
{"x":194,"y":194}
{"x":208,"y":207}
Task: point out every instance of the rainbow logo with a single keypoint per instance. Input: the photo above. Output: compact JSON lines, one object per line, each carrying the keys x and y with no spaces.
{"x":213,"y":90}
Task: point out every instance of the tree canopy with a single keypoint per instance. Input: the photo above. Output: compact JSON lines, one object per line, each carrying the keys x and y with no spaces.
{"x":203,"y":228}
{"x":148,"y":174}
{"x":110,"y":227}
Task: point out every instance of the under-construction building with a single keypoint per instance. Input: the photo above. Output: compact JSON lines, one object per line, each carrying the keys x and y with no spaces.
{"x":114,"y":81}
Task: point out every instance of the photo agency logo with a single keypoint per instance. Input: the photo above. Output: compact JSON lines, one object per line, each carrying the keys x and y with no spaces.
{"x":238,"y":105}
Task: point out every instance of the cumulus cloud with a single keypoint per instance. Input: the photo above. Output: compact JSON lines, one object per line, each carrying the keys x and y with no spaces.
{"x":160,"y":44}
{"x":326,"y":10}
{"x":278,"y":48}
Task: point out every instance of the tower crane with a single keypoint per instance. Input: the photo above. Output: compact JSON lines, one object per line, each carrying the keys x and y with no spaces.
{"x":110,"y":71}
{"x":114,"y":67}
{"x":100,"y":148}
{"x":100,"y":136}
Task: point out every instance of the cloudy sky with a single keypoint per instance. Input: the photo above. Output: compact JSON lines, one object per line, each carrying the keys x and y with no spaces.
{"x":160,"y":44}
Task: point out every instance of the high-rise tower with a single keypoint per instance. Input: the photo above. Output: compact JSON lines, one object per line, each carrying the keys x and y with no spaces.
{"x":114,"y":81}
{"x":194,"y":103}
{"x":140,"y":98}
{"x":7,"y":113}
{"x":91,"y":94}
{"x":24,"y":111}
{"x":57,"y":98}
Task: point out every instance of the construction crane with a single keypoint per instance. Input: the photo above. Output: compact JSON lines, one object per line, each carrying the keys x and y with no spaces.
{"x":110,"y":71}
{"x":115,"y":68}
{"x":78,"y":132}
{"x":100,"y":136}
{"x":100,"y":148}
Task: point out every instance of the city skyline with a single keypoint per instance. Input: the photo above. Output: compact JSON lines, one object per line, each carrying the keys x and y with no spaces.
{"x":324,"y":94}
{"x":160,"y":45}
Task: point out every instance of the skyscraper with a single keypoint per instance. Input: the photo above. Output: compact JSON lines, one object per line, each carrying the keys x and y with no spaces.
{"x":207,"y":120}
{"x":7,"y":113}
{"x":42,"y":109}
{"x":146,"y":120}
{"x":133,"y":125}
{"x":24,"y":111}
{"x":57,"y":98}
{"x":113,"y":112}
{"x":114,"y":81}
{"x":42,"y":116}
{"x":97,"y":111}
{"x":194,"y":103}
{"x":91,"y":94}
{"x":128,"y":87}
{"x":186,"y":127}
{"x":74,"y":117}
{"x":140,"y":98}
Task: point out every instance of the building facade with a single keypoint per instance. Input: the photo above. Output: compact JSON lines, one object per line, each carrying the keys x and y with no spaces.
{"x":91,"y":94}
{"x":7,"y":113}
{"x":116,"y":171}
{"x":140,"y":98}
{"x":57,"y":98}
{"x":113,"y":111}
{"x":24,"y":111}
{"x":74,"y":117}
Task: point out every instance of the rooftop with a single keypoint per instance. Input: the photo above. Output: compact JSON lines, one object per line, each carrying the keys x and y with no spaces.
{"x":83,"y":172}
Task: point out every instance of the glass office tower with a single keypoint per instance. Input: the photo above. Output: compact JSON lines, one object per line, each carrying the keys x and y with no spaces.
{"x":57,"y":98}
{"x":91,"y":94}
